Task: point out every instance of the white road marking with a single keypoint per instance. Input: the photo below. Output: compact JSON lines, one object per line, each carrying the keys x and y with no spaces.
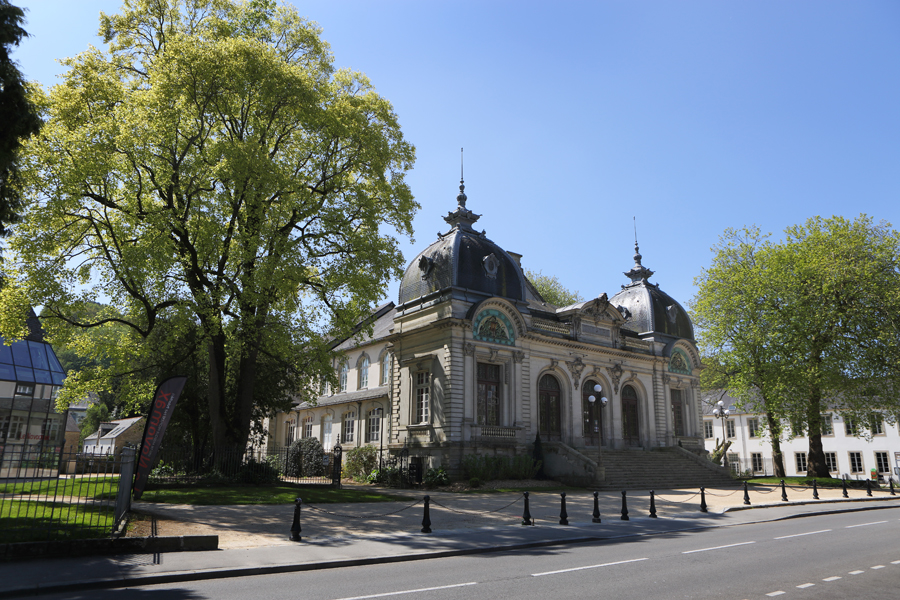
{"x":864,"y":524}
{"x":775,"y":593}
{"x":831,"y":579}
{"x":718,"y":547}
{"x":621,"y":562}
{"x":895,"y":562}
{"x":856,"y":572}
{"x":878,"y":567}
{"x":442,"y":587}
{"x":805,"y":585}
{"x":784,"y":537}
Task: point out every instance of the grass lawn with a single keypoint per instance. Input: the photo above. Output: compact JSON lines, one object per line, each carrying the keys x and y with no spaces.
{"x":85,"y":487}
{"x":276,"y":494}
{"x":808,"y":481}
{"x":27,"y":520}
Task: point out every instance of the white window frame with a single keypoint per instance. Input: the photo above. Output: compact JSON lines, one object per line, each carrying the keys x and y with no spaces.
{"x":757,"y":462}
{"x":308,"y":427}
{"x":851,"y":427}
{"x":345,"y":369}
{"x":363,"y":373}
{"x":833,"y":462}
{"x":708,"y":430}
{"x":800,"y":463}
{"x":349,"y":426}
{"x":385,"y":368}
{"x":422,"y":398}
{"x":730,"y":429}
{"x":753,"y":427}
{"x":373,"y":431}
{"x":876,"y":424}
{"x":289,"y":431}
{"x":828,"y":420}
{"x":887,"y":461}
{"x":862,"y":465}
{"x":327,"y":427}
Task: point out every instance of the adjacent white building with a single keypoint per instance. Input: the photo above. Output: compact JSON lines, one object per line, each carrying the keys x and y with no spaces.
{"x":853,"y":450}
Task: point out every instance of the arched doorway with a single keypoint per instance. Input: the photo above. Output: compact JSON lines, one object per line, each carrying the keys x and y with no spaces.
{"x":549,"y":423}
{"x":631,"y":431}
{"x":592,"y":415}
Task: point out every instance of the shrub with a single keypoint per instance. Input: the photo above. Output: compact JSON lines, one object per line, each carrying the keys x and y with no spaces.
{"x":475,"y":482}
{"x":386,"y":476}
{"x":305,"y":458}
{"x":257,"y":473}
{"x":360,"y":462}
{"x":435,"y":477}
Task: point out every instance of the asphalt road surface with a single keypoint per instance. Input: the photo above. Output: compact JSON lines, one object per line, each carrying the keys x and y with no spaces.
{"x":850,"y":555}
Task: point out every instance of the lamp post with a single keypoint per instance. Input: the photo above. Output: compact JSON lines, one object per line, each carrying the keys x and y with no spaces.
{"x":595,"y":423}
{"x":720,"y":412}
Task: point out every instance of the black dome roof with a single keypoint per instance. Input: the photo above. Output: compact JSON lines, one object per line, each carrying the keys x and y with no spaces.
{"x":463,"y":258}
{"x":648,"y":308}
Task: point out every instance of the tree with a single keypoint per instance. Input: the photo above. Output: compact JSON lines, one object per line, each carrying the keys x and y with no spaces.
{"x":807,"y":324}
{"x":225,"y":188}
{"x":20,"y":117}
{"x":551,"y":290}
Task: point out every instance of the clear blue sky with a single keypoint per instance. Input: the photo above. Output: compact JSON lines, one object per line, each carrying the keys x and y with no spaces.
{"x":577,"y":116}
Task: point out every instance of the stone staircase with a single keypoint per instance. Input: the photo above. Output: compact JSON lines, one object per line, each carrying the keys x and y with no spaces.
{"x":663,"y":468}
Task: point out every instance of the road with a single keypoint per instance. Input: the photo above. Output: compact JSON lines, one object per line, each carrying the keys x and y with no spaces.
{"x":849,"y":555}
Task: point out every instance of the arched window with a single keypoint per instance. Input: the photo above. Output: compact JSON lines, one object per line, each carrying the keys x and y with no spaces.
{"x":549,"y":408}
{"x":364,"y":372}
{"x":344,"y":370}
{"x":592,"y":414}
{"x":385,"y":368}
{"x":631,"y":431}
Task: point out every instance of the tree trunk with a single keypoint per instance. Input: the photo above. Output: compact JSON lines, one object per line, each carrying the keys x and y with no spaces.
{"x":815,"y":458}
{"x":775,"y":433}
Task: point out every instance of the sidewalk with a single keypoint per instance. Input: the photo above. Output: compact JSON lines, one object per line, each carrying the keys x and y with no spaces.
{"x":461,"y":524}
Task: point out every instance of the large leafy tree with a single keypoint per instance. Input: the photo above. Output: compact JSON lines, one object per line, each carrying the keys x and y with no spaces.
{"x":213,"y":179}
{"x":809,"y":323}
{"x":18,"y":116}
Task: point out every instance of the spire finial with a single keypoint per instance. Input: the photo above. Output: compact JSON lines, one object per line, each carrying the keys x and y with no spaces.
{"x":638,"y":273}
{"x":461,"y":198}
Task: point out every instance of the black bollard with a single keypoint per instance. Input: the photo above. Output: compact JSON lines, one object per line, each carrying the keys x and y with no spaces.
{"x":295,"y":526}
{"x":526,"y":515}
{"x":703,"y":500}
{"x":892,"y":487}
{"x":652,"y":506}
{"x":746,"y":494}
{"x":563,"y":515}
{"x":624,"y":507}
{"x":844,"y":485}
{"x":868,"y":487}
{"x":783,"y":492}
{"x":426,"y":520}
{"x":815,"y":491}
{"x":596,"y":515}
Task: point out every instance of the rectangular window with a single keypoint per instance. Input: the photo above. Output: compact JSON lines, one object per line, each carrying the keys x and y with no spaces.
{"x":326,"y":433}
{"x":856,"y":463}
{"x":800,"y":462}
{"x":729,"y":427}
{"x":363,"y":375}
{"x":831,"y":461}
{"x":16,"y":427}
{"x":753,"y":427}
{"x":757,"y":459}
{"x":850,"y":426}
{"x":876,"y":424}
{"x":797,"y":427}
{"x":734,"y":462}
{"x":827,"y":424}
{"x":374,"y":430}
{"x":289,"y":429}
{"x":385,"y":368}
{"x":349,"y":427}
{"x":708,"y":429}
{"x":423,"y":396}
{"x":881,"y":461}
{"x":488,"y":394}
{"x":4,"y":427}
{"x":343,"y":381}
{"x":307,"y":427}
{"x":678,"y":412}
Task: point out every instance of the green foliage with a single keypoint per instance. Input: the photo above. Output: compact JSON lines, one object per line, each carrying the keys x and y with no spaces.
{"x":390,"y":476}
{"x":359,"y":462}
{"x":235,"y":495}
{"x":20,"y":116}
{"x":254,"y":472}
{"x":305,"y":458}
{"x":551,"y":290}
{"x":95,"y":414}
{"x":435,"y":477}
{"x":231,"y":192}
{"x":475,"y":482}
{"x":487,"y":468}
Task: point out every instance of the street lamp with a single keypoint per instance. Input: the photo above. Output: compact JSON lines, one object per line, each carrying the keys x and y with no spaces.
{"x":720,"y":412}
{"x":592,"y":399}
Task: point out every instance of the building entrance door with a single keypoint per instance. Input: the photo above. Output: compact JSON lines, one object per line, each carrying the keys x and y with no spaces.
{"x":631,"y":432}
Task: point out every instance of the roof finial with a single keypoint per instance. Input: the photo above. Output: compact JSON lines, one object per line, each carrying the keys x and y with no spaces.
{"x":461,"y":198}
{"x":638,"y":273}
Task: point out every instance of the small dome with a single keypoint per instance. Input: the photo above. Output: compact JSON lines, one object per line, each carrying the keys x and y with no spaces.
{"x":647,"y":308}
{"x":463,"y":258}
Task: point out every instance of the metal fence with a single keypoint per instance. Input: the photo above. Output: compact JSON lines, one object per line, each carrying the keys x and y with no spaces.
{"x":179,"y":466}
{"x":62,"y":496}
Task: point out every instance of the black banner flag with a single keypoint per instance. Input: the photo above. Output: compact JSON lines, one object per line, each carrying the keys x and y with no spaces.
{"x":160,"y":412}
